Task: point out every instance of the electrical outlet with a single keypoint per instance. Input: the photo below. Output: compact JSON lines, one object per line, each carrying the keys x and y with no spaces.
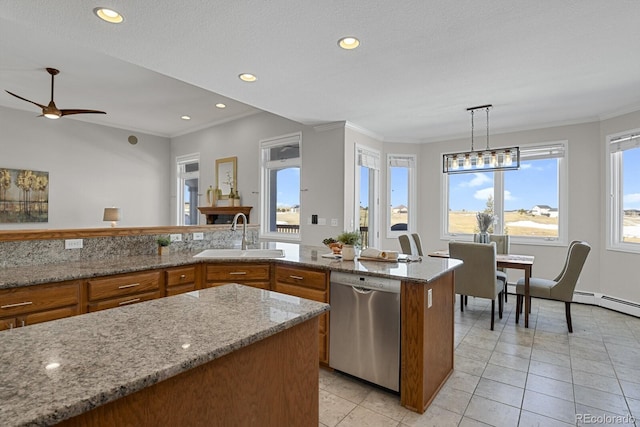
{"x":334,"y":222}
{"x":308,"y":220}
{"x":73,"y":244}
{"x":198,"y":236}
{"x":429,"y":298}
{"x":176,"y":237}
{"x":322,"y":221}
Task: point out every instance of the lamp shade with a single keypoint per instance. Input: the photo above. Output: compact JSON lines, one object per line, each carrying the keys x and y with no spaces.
{"x":112,"y":214}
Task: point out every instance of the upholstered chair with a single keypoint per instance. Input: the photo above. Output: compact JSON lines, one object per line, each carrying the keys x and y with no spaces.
{"x":503,"y":246}
{"x":477,"y":275}
{"x":561,"y":288}
{"x":410,"y":244}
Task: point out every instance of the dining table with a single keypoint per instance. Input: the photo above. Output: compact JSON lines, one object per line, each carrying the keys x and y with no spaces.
{"x":520,"y":262}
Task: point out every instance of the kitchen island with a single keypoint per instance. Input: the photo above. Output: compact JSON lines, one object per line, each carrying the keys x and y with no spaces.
{"x":230,"y":355}
{"x":427,"y":300}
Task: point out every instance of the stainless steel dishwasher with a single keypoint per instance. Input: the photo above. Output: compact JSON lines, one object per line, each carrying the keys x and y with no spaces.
{"x":365,"y":328}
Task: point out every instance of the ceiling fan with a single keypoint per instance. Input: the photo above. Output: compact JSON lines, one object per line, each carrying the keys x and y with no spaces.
{"x":50,"y":111}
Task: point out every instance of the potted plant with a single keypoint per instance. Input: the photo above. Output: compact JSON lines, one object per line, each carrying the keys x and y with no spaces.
{"x":163,"y":245}
{"x":349,"y":240}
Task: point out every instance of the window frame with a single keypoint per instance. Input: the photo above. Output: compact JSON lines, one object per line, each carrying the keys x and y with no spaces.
{"x":412,"y":197}
{"x":370,"y":158}
{"x":498,"y":179}
{"x":615,"y":211}
{"x":265,"y":168}
{"x":182,"y":176}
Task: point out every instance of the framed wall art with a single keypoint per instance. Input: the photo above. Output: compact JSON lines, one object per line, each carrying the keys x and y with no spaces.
{"x":24,"y":196}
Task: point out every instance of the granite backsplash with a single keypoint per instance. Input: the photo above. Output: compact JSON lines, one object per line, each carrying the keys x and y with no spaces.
{"x":30,"y":252}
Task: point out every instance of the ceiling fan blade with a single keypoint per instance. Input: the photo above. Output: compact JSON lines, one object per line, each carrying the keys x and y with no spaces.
{"x":25,"y":99}
{"x":69,"y":112}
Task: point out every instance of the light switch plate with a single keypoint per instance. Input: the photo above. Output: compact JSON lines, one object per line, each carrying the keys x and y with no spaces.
{"x":198,"y":236}
{"x":322,"y":221}
{"x":176,"y":237}
{"x":334,"y":222}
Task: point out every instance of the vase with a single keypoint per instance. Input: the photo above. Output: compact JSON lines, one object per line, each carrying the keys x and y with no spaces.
{"x":482,"y":237}
{"x":348,"y":252}
{"x":163,"y":250}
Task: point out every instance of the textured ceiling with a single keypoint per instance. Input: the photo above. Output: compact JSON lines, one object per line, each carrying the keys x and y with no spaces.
{"x":420,"y":63}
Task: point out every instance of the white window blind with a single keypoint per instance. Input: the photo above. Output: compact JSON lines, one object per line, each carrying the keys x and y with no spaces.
{"x":551,"y":151}
{"x":626,"y":142}
{"x":396,"y":161}
{"x":368,"y":159}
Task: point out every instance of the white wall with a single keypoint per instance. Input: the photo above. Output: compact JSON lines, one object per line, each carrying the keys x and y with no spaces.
{"x":322,"y":174}
{"x":90,"y":167}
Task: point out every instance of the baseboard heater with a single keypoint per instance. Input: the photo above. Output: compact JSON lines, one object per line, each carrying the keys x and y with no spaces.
{"x":620,"y":301}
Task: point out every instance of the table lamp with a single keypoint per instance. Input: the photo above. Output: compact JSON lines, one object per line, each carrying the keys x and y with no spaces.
{"x":113,"y":215}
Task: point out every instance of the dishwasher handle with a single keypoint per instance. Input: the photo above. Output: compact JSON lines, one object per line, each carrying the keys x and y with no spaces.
{"x":361,"y":290}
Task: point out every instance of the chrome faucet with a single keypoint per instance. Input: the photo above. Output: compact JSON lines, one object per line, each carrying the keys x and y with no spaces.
{"x":234,"y":227}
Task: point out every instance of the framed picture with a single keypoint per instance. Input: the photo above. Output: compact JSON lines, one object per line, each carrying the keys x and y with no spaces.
{"x":24,"y":196}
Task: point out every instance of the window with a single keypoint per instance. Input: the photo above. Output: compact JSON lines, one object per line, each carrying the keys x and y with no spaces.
{"x":530,"y":203}
{"x":400,"y":194}
{"x":624,"y":183}
{"x":280,"y":183}
{"x":367,"y":194}
{"x":187,"y":193}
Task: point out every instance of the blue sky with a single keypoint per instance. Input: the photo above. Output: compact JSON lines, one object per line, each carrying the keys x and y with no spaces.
{"x":631,"y":179}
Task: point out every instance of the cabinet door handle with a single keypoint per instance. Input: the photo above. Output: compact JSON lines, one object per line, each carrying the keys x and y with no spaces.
{"x":129,"y":301}
{"x":18,"y":304}
{"x":132,"y":285}
{"x":183,"y":276}
{"x":238,"y":273}
{"x":23,"y":323}
{"x":296,"y":277}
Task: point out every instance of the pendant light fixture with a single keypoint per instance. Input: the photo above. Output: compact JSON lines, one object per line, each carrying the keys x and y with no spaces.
{"x":489,"y":159}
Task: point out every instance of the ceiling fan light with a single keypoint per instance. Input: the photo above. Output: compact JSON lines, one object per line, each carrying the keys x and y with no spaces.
{"x":51,"y":116}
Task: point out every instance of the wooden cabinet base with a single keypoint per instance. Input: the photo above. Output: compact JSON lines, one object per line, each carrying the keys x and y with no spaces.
{"x":273,"y":382}
{"x":427,"y":341}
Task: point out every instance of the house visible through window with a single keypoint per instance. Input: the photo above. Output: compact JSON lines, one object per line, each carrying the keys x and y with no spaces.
{"x":624,"y":179}
{"x":529,"y":203}
{"x":280,"y":183}
{"x":187,"y":192}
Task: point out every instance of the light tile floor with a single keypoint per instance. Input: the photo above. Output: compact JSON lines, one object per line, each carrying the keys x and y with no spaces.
{"x":512,"y":376}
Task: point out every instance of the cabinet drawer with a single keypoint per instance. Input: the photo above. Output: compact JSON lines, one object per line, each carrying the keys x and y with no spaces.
{"x":123,"y":285}
{"x":180,"y":276}
{"x":181,"y":289}
{"x":237,"y":272}
{"x":122,"y":301}
{"x":45,"y":316}
{"x":29,"y":299}
{"x":298,"y":291}
{"x":302,"y":277}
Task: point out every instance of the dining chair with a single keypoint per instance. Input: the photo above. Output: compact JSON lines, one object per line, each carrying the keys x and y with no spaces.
{"x":503,"y":246}
{"x":561,"y":288}
{"x":411,"y":244}
{"x":477,"y":275}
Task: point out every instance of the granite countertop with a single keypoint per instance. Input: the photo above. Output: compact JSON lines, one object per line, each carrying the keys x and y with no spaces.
{"x":109,"y":354}
{"x":424,"y":271}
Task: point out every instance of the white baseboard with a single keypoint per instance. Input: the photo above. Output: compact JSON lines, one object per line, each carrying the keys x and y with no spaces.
{"x":612,"y":303}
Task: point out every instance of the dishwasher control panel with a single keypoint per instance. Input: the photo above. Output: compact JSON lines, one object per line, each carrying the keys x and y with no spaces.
{"x":368,"y":282}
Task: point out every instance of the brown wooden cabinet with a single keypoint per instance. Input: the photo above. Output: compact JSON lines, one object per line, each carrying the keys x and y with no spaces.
{"x":124,"y":289}
{"x":39,"y":303}
{"x":310,"y":284}
{"x":256,"y":275}
{"x":179,"y":280}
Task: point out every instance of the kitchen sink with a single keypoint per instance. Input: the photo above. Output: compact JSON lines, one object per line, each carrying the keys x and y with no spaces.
{"x":241,"y":253}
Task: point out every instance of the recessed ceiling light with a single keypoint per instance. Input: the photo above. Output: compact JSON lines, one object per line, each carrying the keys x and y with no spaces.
{"x":220,"y":105}
{"x":348,"y":43}
{"x":247,"y":77}
{"x":108,"y":15}
{"x":185,"y":117}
